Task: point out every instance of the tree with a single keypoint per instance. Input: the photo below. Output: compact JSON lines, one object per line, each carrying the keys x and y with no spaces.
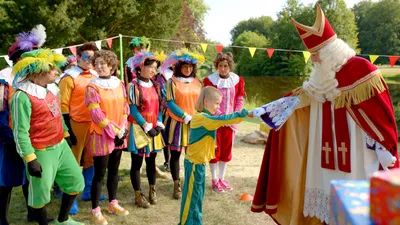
{"x":71,"y":21}
{"x":379,"y":32}
{"x":261,"y":25}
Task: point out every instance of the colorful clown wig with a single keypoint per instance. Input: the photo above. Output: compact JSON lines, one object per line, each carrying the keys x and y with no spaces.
{"x":141,"y":56}
{"x":181,"y":56}
{"x":35,"y":62}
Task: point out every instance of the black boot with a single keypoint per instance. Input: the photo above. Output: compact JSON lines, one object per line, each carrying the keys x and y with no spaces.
{"x":40,"y":215}
{"x":5,"y":195}
{"x":66,"y":203}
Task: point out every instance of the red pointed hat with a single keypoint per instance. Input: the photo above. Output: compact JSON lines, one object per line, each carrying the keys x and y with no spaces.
{"x":317,"y":36}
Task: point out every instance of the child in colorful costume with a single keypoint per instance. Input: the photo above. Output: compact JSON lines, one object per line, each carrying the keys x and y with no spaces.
{"x":183,"y":89}
{"x":72,"y":87}
{"x":136,"y":45}
{"x":146,"y":124}
{"x":39,"y":132}
{"x":12,"y":167}
{"x":232,"y":88}
{"x":108,"y":107}
{"x":201,"y":150}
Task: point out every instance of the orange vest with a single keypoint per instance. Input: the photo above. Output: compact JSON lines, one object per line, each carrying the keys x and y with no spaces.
{"x":186,"y":95}
{"x":77,"y":110}
{"x":112,"y":104}
{"x":46,"y":124}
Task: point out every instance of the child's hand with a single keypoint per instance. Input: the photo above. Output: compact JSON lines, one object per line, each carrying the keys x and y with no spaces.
{"x":250,"y":114}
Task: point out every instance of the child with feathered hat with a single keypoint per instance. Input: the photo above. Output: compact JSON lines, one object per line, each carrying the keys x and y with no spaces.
{"x":183,"y":89}
{"x":136,"y":45}
{"x":39,"y":131}
{"x":146,"y":124}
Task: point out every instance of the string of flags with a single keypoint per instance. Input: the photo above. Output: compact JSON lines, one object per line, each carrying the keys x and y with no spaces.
{"x":219,"y":48}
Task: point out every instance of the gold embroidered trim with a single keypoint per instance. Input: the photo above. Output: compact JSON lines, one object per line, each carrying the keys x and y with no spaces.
{"x":258,"y":206}
{"x":361,"y":90}
{"x":353,"y":116}
{"x":319,"y":24}
{"x":271,"y":206}
{"x":306,"y":35}
{"x":323,"y":44}
{"x":371,"y":125}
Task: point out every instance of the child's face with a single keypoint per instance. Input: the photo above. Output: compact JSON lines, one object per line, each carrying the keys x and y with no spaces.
{"x":212,"y":105}
{"x":148,"y":71}
{"x":187,"y":69}
{"x":223,"y":68}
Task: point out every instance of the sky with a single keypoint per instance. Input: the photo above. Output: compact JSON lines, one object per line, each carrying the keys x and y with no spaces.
{"x":225,"y":14}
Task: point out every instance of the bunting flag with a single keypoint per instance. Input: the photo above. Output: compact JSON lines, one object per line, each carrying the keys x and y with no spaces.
{"x":204,"y":47}
{"x":73,"y":50}
{"x":187,"y":45}
{"x":393,"y":60}
{"x":98,"y":44}
{"x":373,"y":58}
{"x":306,"y":55}
{"x":58,"y":51}
{"x":219,"y":48}
{"x":9,"y":62}
{"x":270,"y":52}
{"x":252,"y":51}
{"x":288,"y":53}
{"x":109,"y":42}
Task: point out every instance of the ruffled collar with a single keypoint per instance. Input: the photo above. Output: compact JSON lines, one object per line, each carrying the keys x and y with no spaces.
{"x":229,"y":82}
{"x":37,"y":90}
{"x":111,"y":83}
{"x":185,"y":79}
{"x":6,"y":75}
{"x":75,"y":71}
{"x":145,"y":84}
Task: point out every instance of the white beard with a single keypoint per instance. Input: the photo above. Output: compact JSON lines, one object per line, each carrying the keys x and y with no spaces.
{"x":322,"y":84}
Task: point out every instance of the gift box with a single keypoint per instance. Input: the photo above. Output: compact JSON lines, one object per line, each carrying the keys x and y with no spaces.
{"x":349,"y":202}
{"x":385,"y":197}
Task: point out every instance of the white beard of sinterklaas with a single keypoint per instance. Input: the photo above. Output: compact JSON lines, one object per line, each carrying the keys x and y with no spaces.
{"x":322,"y":84}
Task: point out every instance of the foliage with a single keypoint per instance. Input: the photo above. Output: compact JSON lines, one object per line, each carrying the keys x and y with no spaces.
{"x":261,"y":25}
{"x":379,"y":32}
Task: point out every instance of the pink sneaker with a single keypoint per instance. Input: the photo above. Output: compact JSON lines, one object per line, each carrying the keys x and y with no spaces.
{"x":225,"y":185}
{"x":216,"y":186}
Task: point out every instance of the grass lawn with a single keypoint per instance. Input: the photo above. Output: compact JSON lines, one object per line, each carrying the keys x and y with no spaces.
{"x":224,"y":209}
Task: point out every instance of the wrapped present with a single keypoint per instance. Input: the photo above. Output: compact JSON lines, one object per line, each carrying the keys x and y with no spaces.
{"x":349,"y":202}
{"x":385,"y":197}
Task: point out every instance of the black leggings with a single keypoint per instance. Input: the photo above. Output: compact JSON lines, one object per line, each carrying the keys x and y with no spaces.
{"x":101,"y":163}
{"x":5,"y":197}
{"x":136,"y":164}
{"x":174,"y":164}
{"x":167,"y":154}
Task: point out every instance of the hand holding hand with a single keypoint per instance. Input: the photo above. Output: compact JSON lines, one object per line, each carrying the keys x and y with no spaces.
{"x":152,"y":133}
{"x":35,"y":169}
{"x":147,"y":127}
{"x":250,"y":114}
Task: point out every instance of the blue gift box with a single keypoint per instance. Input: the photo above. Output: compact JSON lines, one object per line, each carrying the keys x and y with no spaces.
{"x":350,"y":202}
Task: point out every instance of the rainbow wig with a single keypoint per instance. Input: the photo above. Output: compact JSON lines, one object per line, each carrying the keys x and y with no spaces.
{"x":182,"y":56}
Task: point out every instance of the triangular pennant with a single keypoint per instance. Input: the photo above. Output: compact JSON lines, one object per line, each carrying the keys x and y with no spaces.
{"x":109,"y":42}
{"x":393,"y":60}
{"x":270,"y":52}
{"x":98,"y":44}
{"x":9,"y":62}
{"x":373,"y":58}
{"x":187,"y":45}
{"x":58,"y":51}
{"x":288,"y":54}
{"x":73,"y":50}
{"x":219,"y":48}
{"x":235,"y":50}
{"x":252,"y":51}
{"x":306,"y":55}
{"x":204,"y":47}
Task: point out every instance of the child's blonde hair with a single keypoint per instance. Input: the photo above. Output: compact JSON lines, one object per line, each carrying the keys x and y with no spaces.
{"x":208,"y":92}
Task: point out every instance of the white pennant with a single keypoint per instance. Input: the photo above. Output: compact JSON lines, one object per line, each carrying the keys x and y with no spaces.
{"x":9,"y":62}
{"x":98,"y":44}
{"x":58,"y":51}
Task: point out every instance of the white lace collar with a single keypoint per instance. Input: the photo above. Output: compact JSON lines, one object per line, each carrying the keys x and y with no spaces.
{"x":37,"y":90}
{"x":185,"y":79}
{"x":229,"y":82}
{"x":111,"y":83}
{"x":144,"y":83}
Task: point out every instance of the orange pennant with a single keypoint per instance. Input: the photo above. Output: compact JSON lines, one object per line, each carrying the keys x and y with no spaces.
{"x":270,"y":52}
{"x":219,"y":48}
{"x":109,"y":42}
{"x":393,"y":60}
{"x":73,"y":50}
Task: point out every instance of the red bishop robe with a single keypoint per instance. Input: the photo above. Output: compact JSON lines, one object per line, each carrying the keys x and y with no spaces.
{"x":281,"y":182}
